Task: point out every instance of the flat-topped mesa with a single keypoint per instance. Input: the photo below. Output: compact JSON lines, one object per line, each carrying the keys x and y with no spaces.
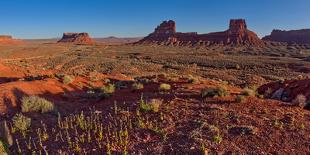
{"x":76,"y":38}
{"x":7,"y":39}
{"x":236,"y":35}
{"x":3,"y":37}
{"x":293,"y":36}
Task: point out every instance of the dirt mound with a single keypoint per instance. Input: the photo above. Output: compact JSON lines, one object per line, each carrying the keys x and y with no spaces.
{"x":237,"y":34}
{"x":76,"y":38}
{"x":293,"y":36}
{"x":287,"y":90}
{"x":8,"y":40}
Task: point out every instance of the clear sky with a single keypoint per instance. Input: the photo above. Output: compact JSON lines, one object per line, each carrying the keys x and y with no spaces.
{"x":130,"y":18}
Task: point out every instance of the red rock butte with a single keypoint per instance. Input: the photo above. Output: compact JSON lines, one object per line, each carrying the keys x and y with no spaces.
{"x":293,"y":36}
{"x":237,"y":34}
{"x":77,"y":38}
{"x":8,"y":40}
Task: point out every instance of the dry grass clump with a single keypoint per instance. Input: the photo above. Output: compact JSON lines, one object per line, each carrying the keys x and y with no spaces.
{"x":137,"y":86}
{"x":108,"y":89}
{"x":248,"y":92}
{"x":219,"y":91}
{"x":153,"y":105}
{"x":36,"y":104}
{"x":300,"y":100}
{"x":67,"y":79}
{"x":164,"y":87}
{"x":3,"y":148}
{"x":21,"y":123}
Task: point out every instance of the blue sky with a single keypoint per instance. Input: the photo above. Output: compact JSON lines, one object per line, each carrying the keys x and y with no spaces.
{"x":130,"y":18}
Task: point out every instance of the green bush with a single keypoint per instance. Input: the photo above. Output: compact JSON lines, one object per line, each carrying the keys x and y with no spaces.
{"x":67,"y":79}
{"x":108,"y":89}
{"x":36,"y":104}
{"x":21,"y":123}
{"x":164,"y":86}
{"x":137,"y":86}
{"x":220,"y":91}
{"x":153,"y":105}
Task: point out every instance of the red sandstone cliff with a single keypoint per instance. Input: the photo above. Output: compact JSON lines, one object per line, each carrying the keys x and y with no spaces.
{"x":76,"y":38}
{"x":237,"y":34}
{"x":293,"y":36}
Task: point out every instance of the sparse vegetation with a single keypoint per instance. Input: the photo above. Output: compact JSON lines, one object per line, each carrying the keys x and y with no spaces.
{"x":248,"y":92}
{"x":300,"y":100}
{"x":66,"y":79}
{"x":137,"y":86}
{"x":4,"y":150}
{"x":21,"y":123}
{"x":220,"y":91}
{"x":108,"y":89}
{"x":240,"y":99}
{"x":153,"y":105}
{"x":36,"y":104}
{"x":164,"y":87}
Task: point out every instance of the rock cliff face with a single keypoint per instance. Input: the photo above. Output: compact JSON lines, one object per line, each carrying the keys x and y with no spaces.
{"x":237,"y":34}
{"x":293,"y":36}
{"x":76,"y":38}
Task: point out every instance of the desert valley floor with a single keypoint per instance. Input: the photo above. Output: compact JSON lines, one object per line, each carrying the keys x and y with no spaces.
{"x":153,"y":99}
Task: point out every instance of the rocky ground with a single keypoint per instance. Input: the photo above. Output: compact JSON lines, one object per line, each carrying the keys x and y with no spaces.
{"x":205,"y":110}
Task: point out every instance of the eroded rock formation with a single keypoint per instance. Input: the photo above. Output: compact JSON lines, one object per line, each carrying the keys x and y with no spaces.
{"x":287,"y":90}
{"x":293,"y":36}
{"x":76,"y":38}
{"x":237,"y":34}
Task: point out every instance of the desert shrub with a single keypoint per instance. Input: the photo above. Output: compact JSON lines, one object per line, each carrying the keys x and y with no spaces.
{"x":153,"y":105}
{"x":248,"y":92}
{"x":120,"y":85}
{"x":108,"y":89}
{"x":240,"y":99}
{"x":193,"y":80}
{"x":137,"y":86}
{"x":300,"y":100}
{"x":21,"y":123}
{"x":67,"y":79}
{"x":164,"y":86}
{"x":220,"y":91}
{"x":3,"y":148}
{"x":100,"y":92}
{"x":36,"y":104}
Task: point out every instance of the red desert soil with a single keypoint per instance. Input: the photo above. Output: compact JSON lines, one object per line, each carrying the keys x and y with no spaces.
{"x":186,"y":122}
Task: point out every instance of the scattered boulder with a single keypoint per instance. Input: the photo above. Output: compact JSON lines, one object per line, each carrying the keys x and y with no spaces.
{"x":76,"y":38}
{"x":293,"y":36}
{"x":287,"y":91}
{"x":237,"y":34}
